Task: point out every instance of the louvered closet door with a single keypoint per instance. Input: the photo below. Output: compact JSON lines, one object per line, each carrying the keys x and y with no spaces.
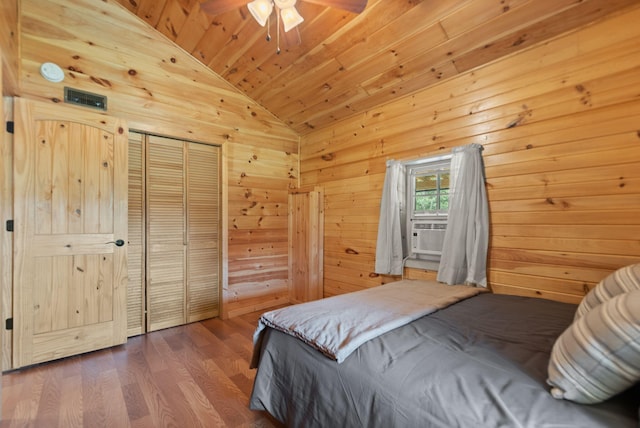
{"x":166,"y":233}
{"x":203,"y":202}
{"x":135,"y":289}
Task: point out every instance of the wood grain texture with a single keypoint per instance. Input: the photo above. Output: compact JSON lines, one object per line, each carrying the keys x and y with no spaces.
{"x":203,"y":231}
{"x":559,"y":127}
{"x":258,"y":213}
{"x":137,"y":232}
{"x":196,"y":375}
{"x":166,"y":269}
{"x":6,"y":241}
{"x":175,"y":219}
{"x":338,"y":64}
{"x":306,"y":245}
{"x":557,"y":112}
{"x":9,"y":31}
{"x":71,"y":296}
{"x":162,"y":91}
{"x":147,"y":86}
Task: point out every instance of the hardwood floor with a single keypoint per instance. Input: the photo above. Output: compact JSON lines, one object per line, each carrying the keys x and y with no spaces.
{"x":195,"y":375}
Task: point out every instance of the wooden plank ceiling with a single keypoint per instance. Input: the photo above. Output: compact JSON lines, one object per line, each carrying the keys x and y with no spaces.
{"x":337,"y":64}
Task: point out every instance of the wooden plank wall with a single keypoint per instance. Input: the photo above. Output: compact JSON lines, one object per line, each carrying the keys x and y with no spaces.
{"x":160,"y":89}
{"x":560,"y":126}
{"x":9,"y":28}
{"x":258,"y":228}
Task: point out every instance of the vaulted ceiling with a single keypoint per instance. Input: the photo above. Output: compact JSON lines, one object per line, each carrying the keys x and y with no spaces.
{"x":337,"y":64}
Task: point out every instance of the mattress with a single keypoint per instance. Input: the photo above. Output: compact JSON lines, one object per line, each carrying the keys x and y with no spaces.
{"x":481,"y":362}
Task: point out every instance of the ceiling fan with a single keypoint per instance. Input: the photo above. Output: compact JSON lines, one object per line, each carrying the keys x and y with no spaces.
{"x":261,"y":9}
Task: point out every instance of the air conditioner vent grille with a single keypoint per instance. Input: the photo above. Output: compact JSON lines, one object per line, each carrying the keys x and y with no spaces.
{"x":428,"y":237}
{"x":430,"y":226}
{"x":86,"y":99}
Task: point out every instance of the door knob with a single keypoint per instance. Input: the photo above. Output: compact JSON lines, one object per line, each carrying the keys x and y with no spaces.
{"x":119,"y":242}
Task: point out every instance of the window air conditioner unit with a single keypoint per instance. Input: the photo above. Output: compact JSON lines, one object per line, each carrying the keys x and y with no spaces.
{"x":427,"y":236}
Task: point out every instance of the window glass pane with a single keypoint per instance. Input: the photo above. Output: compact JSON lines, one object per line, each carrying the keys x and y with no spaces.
{"x":444,"y":191}
{"x":444,"y":180}
{"x":444,"y":199}
{"x":426,"y":192}
{"x":426,"y":182}
{"x":427,"y":201}
{"x":431,"y":192}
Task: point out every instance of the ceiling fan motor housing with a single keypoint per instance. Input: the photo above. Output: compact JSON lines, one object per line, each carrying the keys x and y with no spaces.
{"x":283,"y":4}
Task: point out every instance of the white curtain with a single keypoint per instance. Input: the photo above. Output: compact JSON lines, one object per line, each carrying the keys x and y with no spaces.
{"x":464,"y":251}
{"x":390,"y":247}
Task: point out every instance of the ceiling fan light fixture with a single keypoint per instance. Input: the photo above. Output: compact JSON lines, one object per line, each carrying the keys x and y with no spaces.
{"x":290,"y":18}
{"x":285,"y":11}
{"x":260,"y":10}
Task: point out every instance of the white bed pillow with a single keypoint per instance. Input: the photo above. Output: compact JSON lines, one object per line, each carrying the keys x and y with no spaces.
{"x":621,"y":281}
{"x":598,"y":356}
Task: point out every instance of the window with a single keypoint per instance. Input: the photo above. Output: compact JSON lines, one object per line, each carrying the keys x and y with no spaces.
{"x":428,"y":205}
{"x":429,"y":188}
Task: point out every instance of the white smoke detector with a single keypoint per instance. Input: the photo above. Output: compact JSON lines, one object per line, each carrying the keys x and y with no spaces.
{"x":52,"y":72}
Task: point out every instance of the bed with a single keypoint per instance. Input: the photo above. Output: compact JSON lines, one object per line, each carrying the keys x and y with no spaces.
{"x":481,"y":361}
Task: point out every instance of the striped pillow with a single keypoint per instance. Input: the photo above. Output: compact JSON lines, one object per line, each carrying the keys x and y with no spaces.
{"x":598,"y":356}
{"x":623,"y":280}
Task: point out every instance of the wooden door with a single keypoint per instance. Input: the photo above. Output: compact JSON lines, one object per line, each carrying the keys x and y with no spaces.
{"x":70,"y":208}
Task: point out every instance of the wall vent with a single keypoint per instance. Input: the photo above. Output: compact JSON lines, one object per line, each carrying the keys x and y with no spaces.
{"x":86,"y":99}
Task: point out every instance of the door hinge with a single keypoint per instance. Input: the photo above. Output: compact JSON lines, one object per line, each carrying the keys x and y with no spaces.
{"x":10,"y":126}
{"x":8,"y":324}
{"x":9,"y":225}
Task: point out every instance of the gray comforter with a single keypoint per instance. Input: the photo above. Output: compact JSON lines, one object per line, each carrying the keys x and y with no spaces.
{"x":481,"y":362}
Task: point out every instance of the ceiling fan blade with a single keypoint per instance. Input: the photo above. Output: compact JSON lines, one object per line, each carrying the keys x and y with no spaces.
{"x":355,"y":6}
{"x":216,"y":7}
